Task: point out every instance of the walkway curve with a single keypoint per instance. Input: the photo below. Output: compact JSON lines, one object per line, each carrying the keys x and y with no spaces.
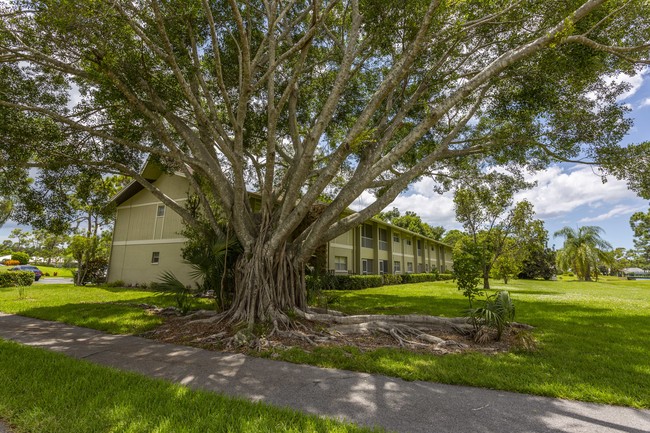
{"x":362,"y":398}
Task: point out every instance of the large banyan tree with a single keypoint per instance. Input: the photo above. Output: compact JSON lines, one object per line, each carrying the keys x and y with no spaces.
{"x":311,"y":102}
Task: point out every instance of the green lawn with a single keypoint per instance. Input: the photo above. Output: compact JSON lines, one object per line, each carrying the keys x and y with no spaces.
{"x":42,"y":391}
{"x":108,"y":309}
{"x":593,"y":337}
{"x":61,"y":272}
{"x":594,"y":340}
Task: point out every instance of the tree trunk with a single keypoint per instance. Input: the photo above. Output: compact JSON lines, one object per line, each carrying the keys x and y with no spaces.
{"x":268,"y":284}
{"x":486,"y":278}
{"x":588,"y":273}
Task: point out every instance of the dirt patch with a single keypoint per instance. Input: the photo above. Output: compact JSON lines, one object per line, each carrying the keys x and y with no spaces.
{"x":308,"y":334}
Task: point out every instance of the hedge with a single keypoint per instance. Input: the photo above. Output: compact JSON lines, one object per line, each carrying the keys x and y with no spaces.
{"x":358,"y":282}
{"x":16,"y":278}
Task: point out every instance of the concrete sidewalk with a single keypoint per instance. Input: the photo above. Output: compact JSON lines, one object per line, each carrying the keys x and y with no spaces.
{"x":362,"y":398}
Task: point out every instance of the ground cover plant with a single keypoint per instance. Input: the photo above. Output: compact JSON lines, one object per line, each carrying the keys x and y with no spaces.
{"x":111,"y":309}
{"x":42,"y":391}
{"x":592,"y":340}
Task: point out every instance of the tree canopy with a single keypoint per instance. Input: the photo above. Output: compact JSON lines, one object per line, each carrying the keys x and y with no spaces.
{"x":312,"y":101}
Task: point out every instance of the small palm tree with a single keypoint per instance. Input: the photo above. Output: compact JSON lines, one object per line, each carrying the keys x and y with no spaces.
{"x":583,"y":250}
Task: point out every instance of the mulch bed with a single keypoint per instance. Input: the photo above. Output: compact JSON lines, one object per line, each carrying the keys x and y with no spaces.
{"x":307,"y":336}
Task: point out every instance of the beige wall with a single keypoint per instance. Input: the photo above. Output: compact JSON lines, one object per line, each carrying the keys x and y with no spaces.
{"x":131,"y":263}
{"x":139,"y":232}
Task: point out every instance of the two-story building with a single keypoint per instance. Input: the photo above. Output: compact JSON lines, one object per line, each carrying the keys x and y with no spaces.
{"x":146,"y":239}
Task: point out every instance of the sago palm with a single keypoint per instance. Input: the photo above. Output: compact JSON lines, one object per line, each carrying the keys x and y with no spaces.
{"x":583,"y":250}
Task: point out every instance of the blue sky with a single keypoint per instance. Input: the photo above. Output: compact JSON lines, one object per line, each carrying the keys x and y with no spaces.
{"x":566,"y":195}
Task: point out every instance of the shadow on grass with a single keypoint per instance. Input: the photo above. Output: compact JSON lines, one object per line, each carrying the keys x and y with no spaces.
{"x":593,"y":352}
{"x":43,"y":391}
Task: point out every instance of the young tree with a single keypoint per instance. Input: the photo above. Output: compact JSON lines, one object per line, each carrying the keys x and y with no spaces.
{"x":640,"y":223}
{"x":583,"y":251}
{"x":484,"y":206}
{"x":305,"y":100}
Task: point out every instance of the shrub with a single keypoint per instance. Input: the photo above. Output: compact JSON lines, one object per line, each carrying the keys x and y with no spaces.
{"x":390,"y":279}
{"x":357,"y":282}
{"x":116,"y":283}
{"x":16,"y":278}
{"x":23,"y":258}
{"x":417,"y":278}
{"x":445,"y":277}
{"x":11,"y":262}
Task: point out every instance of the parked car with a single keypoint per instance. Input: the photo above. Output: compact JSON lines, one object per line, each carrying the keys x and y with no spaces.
{"x":37,"y":272}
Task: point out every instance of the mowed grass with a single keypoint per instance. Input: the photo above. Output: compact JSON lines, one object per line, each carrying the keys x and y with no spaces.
{"x":61,"y":272}
{"x":594,"y":340}
{"x":42,"y":391}
{"x":109,"y":309}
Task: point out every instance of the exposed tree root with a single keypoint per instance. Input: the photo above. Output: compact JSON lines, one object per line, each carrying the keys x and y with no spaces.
{"x":318,"y":327}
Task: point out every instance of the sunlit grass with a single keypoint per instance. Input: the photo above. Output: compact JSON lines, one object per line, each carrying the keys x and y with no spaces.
{"x":593,"y":337}
{"x":109,"y":309}
{"x":47,"y":392}
{"x":594,"y":340}
{"x":61,"y":272}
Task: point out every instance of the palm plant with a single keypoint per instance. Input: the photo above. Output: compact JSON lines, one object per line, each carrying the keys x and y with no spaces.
{"x":212,"y":256}
{"x":583,"y":251}
{"x":497,"y":313}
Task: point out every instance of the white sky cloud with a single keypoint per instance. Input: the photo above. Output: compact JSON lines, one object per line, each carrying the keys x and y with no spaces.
{"x":644,"y":103}
{"x":564,"y":194}
{"x":614,"y":212}
{"x":559,"y":191}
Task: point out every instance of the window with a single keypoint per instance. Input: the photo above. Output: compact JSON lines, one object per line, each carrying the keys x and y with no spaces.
{"x":426,"y":267}
{"x":341,"y":263}
{"x":383,"y":266}
{"x":155,"y":258}
{"x":420,"y":268}
{"x":408,"y":242}
{"x":397,"y":267}
{"x":366,"y":266}
{"x":366,"y":236}
{"x":383,"y":239}
{"x":161,"y":210}
{"x":395,"y":238}
{"x":409,"y":266}
{"x":419,"y":244}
